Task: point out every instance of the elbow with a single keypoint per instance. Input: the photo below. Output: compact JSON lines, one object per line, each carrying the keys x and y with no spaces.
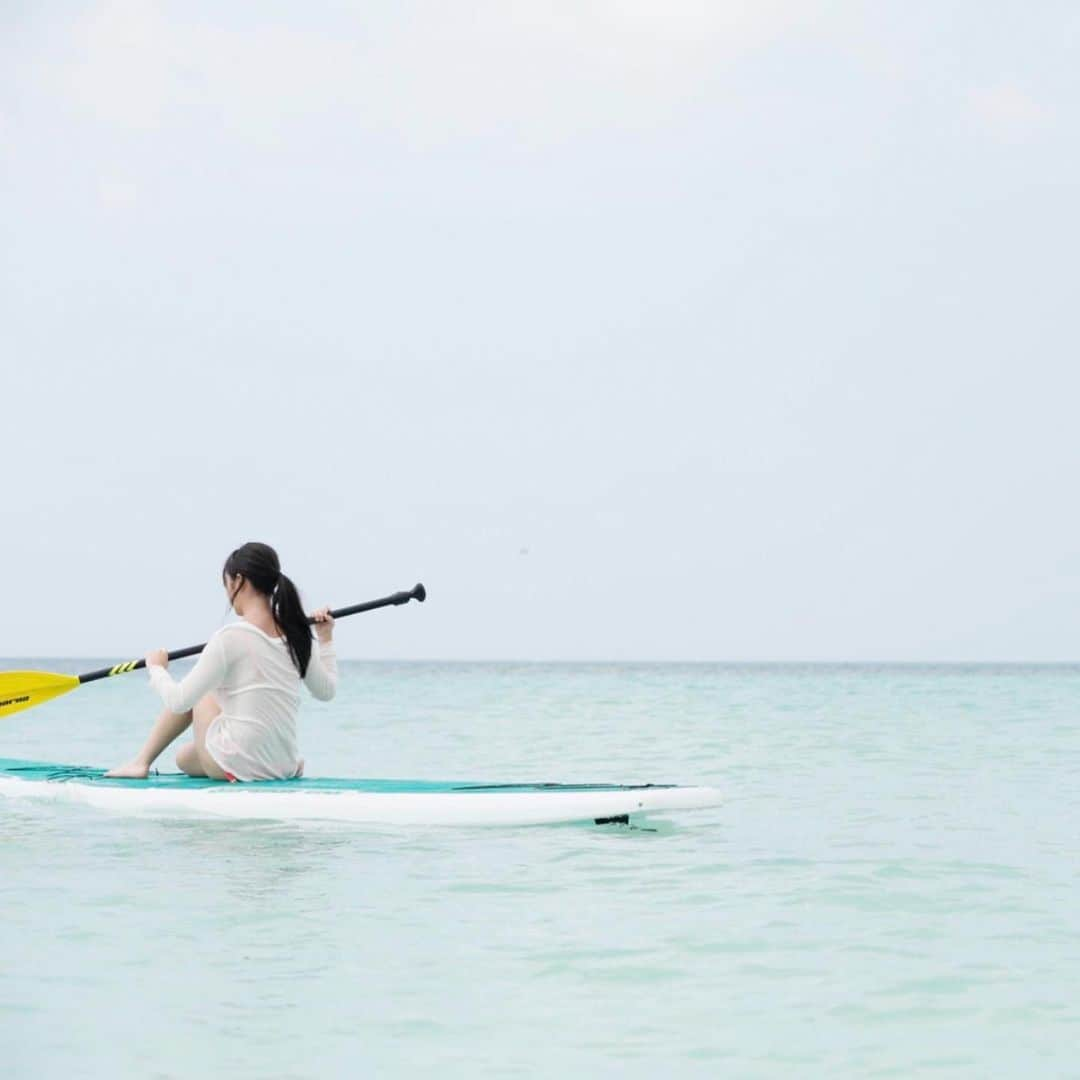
{"x":174,"y":704}
{"x":325,"y":691}
{"x":170,"y":696}
{"x":177,"y":704}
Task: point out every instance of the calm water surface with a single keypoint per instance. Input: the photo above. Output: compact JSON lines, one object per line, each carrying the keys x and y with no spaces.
{"x":890,"y":888}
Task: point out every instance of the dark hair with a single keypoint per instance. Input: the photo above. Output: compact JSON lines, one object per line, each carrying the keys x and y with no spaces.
{"x":258,"y":564}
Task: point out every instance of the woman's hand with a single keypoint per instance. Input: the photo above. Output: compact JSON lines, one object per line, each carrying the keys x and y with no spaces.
{"x":324,"y":624}
{"x":157,"y":658}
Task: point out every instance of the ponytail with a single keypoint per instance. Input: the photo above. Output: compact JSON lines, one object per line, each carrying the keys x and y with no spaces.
{"x":289,"y":614}
{"x":259,"y":565}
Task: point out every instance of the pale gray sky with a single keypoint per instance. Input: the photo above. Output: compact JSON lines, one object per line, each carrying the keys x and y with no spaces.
{"x":643,"y":329}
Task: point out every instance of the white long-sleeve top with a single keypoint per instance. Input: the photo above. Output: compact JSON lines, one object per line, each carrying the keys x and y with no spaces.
{"x":258,"y":688}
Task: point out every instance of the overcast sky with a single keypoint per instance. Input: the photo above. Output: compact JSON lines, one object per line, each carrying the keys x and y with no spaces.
{"x":646,"y":329}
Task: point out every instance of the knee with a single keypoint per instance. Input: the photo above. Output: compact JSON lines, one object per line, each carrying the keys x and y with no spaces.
{"x":187,"y":761}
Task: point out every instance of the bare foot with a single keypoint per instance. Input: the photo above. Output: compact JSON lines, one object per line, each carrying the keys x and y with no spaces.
{"x":134,"y":770}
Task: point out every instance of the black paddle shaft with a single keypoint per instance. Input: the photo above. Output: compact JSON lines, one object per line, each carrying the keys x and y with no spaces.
{"x":417,"y":592}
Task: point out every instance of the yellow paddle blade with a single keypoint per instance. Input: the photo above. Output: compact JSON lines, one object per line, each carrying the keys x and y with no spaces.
{"x":25,"y":689}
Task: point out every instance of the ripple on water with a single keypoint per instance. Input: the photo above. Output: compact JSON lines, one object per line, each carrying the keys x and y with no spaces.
{"x":889,"y":888}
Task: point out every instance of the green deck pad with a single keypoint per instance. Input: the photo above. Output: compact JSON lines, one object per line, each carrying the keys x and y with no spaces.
{"x":84,"y":774}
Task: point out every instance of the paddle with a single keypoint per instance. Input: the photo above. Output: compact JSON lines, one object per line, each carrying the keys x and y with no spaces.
{"x":25,"y":689}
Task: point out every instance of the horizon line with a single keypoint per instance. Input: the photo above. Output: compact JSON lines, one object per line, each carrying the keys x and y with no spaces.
{"x":617,"y":660}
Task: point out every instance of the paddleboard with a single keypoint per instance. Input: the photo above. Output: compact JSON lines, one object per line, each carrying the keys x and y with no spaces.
{"x":396,"y":802}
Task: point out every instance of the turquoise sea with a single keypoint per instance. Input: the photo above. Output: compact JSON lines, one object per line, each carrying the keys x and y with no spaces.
{"x":890,"y":889}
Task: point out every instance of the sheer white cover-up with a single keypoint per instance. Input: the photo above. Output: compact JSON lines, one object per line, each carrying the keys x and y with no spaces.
{"x":258,"y":688}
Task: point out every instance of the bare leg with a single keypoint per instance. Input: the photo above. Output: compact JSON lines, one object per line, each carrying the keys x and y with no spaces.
{"x":194,"y":758}
{"x":166,"y":728}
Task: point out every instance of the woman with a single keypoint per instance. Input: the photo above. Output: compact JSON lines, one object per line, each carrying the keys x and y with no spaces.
{"x":242,"y":695}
